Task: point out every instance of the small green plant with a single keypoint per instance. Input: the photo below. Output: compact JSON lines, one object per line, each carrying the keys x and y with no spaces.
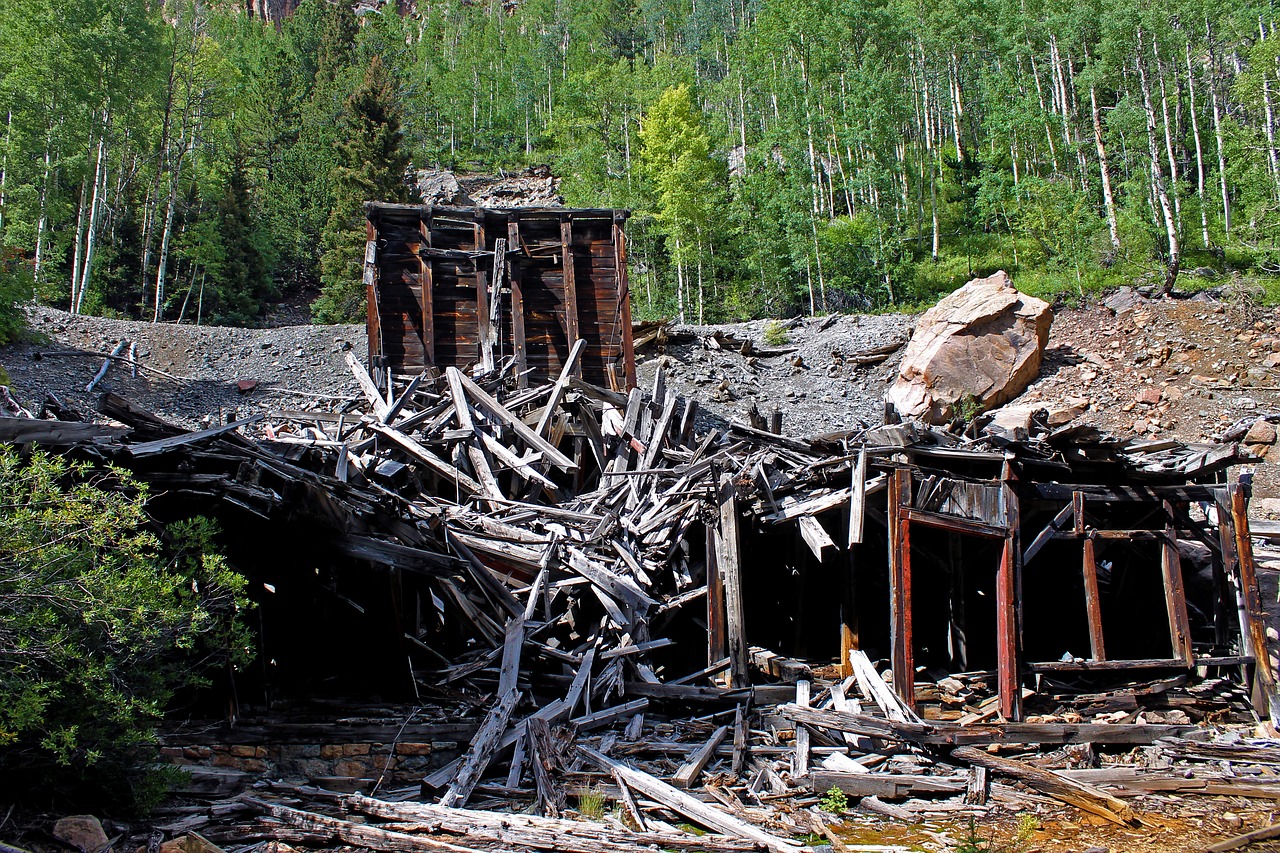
{"x":968,"y":408}
{"x":834,"y":801}
{"x":1023,"y":833}
{"x":775,"y":334}
{"x":591,"y":803}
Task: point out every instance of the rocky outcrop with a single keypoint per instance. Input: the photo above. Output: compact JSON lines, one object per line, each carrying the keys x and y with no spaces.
{"x":975,"y":350}
{"x":83,"y":832}
{"x":536,"y":186}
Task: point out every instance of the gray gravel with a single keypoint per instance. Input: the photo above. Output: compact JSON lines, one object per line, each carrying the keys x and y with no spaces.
{"x":816,"y":387}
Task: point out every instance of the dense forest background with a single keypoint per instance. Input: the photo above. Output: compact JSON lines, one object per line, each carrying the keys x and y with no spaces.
{"x":192,"y":161}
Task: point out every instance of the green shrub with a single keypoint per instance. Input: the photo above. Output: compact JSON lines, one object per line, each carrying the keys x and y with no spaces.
{"x":16,"y":289}
{"x":775,"y":334}
{"x":834,"y":801}
{"x":99,"y":624}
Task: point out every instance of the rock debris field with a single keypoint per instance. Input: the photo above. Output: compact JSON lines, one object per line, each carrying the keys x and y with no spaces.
{"x":1188,"y":369}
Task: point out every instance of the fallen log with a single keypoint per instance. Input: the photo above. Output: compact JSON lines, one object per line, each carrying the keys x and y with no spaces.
{"x":1056,"y":785}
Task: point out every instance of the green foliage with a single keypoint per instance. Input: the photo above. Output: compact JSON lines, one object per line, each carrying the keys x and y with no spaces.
{"x":775,"y":334}
{"x":371,"y":166}
{"x":16,"y":290}
{"x":591,"y":803}
{"x":834,"y":801}
{"x":840,"y":155}
{"x":99,"y":624}
{"x":1019,"y":842}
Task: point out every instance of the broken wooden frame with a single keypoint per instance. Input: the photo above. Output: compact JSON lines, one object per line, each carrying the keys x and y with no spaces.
{"x":463,"y":286}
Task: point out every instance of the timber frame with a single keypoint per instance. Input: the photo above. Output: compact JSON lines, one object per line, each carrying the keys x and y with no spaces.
{"x":1041,"y":533}
{"x":464,"y":286}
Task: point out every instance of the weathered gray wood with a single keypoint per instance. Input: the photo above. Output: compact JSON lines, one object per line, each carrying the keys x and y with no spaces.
{"x":367,"y":387}
{"x":1056,"y":785}
{"x":530,"y":437}
{"x":102,"y":371}
{"x":696,"y":810}
{"x":800,"y":762}
{"x":1245,"y":839}
{"x":560,"y":386}
{"x":729,"y":564}
{"x":160,"y":445}
{"x":692,"y":769}
{"x":858,"y":499}
{"x":890,"y":786}
{"x":481,"y":751}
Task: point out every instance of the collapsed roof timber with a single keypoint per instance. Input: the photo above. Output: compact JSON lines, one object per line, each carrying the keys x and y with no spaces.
{"x":573,"y":552}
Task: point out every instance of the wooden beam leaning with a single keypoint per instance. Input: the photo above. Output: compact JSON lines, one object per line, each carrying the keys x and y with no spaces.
{"x":482,"y":748}
{"x":504,"y":414}
{"x":367,"y":386}
{"x":1045,"y":536}
{"x":624,"y":302}
{"x":729,"y":563}
{"x":858,"y":499}
{"x":692,"y":808}
{"x":514,"y":273}
{"x":692,"y":769}
{"x":1056,"y":785}
{"x":426,"y":296}
{"x":570,"y":285}
{"x":1264,"y":674}
{"x":561,"y":385}
{"x":1175,"y":596}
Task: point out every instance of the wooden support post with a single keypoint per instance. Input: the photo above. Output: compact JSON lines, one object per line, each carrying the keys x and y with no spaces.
{"x":1175,"y":596}
{"x":570,"y":285}
{"x":373,"y":323}
{"x":1266,"y":702}
{"x":801,"y":766}
{"x":1007,"y":605}
{"x":717,"y":643}
{"x":517,"y":299}
{"x":849,"y":639}
{"x":426,"y":293}
{"x":729,"y":562}
{"x":1093,"y":603}
{"x":484,"y":341}
{"x":900,"y":586}
{"x":624,"y":302}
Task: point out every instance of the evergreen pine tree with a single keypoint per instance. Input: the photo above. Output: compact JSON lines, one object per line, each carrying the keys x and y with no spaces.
{"x":371,"y":166}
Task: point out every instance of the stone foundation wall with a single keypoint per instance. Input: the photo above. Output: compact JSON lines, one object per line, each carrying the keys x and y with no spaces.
{"x":338,"y":766}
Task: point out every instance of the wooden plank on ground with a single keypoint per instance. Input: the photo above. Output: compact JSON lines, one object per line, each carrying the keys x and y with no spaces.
{"x":1056,"y":785}
{"x":692,"y":769}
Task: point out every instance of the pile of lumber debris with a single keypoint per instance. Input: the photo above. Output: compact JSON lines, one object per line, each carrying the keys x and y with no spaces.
{"x":568,"y":565}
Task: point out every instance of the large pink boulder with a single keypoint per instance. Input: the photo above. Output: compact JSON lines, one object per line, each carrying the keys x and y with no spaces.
{"x":976,"y":349}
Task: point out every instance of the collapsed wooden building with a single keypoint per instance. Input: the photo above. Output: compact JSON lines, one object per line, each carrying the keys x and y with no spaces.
{"x":580,"y":581}
{"x":557,"y":559}
{"x":460,"y":286}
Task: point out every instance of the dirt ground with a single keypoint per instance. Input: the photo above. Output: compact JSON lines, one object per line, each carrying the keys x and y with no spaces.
{"x":1180,"y":368}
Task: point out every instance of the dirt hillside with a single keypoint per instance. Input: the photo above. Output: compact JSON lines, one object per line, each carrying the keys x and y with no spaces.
{"x":1181,"y":368}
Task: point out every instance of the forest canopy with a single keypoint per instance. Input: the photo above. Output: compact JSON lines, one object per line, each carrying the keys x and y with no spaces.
{"x":186,"y":161}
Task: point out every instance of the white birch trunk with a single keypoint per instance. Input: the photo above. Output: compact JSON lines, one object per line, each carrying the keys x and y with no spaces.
{"x":95,"y":216}
{"x":161,"y":266}
{"x":1222,"y":159}
{"x":1108,"y":202}
{"x":1195,"y":133}
{"x":1157,"y":175}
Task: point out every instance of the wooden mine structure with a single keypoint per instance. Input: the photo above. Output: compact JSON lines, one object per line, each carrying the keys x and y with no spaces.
{"x":464,"y":286}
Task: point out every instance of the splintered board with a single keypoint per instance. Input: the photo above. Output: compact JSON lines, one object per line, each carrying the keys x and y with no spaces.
{"x":434,"y":301}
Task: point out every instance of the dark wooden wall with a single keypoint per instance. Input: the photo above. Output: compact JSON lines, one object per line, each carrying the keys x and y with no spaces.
{"x":562,"y":277}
